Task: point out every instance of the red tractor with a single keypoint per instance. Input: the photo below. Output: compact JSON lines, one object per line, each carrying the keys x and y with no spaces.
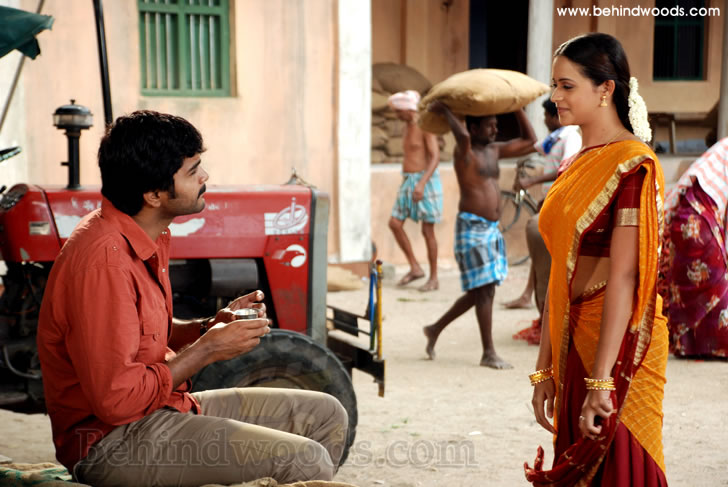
{"x":268,"y":237}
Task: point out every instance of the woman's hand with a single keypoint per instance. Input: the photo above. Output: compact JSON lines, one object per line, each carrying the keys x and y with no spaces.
{"x":596,"y":403}
{"x":544,"y":392}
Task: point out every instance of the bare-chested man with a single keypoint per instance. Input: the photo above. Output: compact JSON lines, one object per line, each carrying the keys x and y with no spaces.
{"x":420,"y":196}
{"x":479,"y":245}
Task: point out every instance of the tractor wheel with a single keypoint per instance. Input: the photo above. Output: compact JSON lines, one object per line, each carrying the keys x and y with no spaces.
{"x":286,"y":359}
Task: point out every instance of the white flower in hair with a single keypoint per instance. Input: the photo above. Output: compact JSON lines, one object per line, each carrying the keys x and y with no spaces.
{"x":638,"y":112}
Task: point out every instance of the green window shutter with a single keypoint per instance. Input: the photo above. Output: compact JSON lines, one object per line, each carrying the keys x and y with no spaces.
{"x":678,"y":43}
{"x":184,"y":47}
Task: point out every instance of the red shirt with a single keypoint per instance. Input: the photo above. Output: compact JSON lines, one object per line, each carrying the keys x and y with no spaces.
{"x":103,"y":330}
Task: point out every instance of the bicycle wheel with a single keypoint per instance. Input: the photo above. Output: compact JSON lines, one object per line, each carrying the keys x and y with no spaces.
{"x":514,"y":216}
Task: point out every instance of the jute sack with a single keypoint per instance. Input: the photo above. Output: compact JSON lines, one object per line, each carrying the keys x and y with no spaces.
{"x":392,"y":78}
{"x":479,"y":92}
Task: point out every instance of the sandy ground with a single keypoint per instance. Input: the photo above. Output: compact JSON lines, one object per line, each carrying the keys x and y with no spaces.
{"x":452,"y":422}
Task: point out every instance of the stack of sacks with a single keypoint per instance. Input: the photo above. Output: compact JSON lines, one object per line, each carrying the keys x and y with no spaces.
{"x":479,"y":92}
{"x":387,"y":129}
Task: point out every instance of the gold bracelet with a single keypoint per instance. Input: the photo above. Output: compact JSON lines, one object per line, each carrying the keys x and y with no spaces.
{"x":541,"y":375}
{"x":600,"y":384}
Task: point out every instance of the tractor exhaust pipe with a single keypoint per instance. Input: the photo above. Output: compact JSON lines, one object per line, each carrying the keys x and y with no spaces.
{"x":73,"y":118}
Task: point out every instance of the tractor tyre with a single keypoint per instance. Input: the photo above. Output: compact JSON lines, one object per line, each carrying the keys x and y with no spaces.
{"x":286,"y":359}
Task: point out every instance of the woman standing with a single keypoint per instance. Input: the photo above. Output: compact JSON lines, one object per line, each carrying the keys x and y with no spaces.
{"x":695,"y":261}
{"x":601,"y":363}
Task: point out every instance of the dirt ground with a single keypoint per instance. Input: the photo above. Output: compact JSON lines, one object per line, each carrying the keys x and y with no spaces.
{"x":452,"y":422}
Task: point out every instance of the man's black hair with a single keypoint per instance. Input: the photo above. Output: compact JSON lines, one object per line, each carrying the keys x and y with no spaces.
{"x":141,"y":152}
{"x":550,"y":107}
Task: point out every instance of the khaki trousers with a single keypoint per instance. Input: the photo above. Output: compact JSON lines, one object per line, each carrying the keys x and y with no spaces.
{"x":540,"y":261}
{"x":242,"y":434}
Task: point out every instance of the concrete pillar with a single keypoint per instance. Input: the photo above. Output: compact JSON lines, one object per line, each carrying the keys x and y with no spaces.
{"x":354,"y":130}
{"x":723,"y":106}
{"x":538,"y":60}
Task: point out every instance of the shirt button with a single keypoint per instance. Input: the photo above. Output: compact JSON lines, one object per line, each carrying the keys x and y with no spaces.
{"x":164,"y":270}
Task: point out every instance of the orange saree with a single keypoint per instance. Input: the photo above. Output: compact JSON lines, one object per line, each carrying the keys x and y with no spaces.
{"x":631,"y":439}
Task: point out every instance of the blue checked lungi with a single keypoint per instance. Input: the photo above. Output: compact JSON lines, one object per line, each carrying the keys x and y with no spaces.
{"x":480,"y":251}
{"x":429,"y":208}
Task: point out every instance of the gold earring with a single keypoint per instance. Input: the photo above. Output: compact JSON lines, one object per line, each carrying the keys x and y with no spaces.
{"x":604,"y":101}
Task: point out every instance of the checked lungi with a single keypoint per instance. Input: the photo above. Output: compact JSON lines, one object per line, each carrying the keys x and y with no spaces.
{"x":480,"y":251}
{"x":429,"y":208}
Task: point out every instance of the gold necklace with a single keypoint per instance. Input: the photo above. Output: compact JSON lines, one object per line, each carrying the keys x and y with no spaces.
{"x":611,"y":140}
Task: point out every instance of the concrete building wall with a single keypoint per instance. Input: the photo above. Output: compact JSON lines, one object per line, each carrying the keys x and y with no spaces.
{"x":435,"y":41}
{"x":637,"y":36}
{"x":427,"y":35}
{"x":281,"y":114}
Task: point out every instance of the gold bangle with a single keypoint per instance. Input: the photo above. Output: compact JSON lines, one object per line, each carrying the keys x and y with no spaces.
{"x":541,"y":375}
{"x":600,"y":384}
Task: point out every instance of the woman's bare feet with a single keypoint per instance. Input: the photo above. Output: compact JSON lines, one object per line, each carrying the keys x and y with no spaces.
{"x":522,"y":302}
{"x":493,"y":361}
{"x":431,"y":340}
{"x":411,"y":276}
{"x":430,"y":285}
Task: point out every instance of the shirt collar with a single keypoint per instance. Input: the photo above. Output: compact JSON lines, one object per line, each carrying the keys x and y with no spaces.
{"x":139,"y":241}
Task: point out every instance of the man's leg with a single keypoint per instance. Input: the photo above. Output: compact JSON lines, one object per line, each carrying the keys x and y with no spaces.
{"x":541,"y":261}
{"x":299,"y":435}
{"x":484,"y":312}
{"x":313,"y":415}
{"x":428,"y":231}
{"x":400,"y":236}
{"x":540,"y":268}
{"x":460,"y":306}
{"x":524,"y":300}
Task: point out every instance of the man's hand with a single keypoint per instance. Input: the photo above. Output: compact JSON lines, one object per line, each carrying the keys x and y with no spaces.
{"x":251,"y":300}
{"x":437,"y":107}
{"x":419,"y":193}
{"x":228,"y":340}
{"x":524,"y":182}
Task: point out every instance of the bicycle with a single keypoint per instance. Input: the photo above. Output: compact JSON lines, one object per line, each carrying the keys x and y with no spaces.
{"x":513,"y":203}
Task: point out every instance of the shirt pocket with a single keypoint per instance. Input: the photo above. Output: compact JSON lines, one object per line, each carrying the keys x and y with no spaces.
{"x":153,"y":343}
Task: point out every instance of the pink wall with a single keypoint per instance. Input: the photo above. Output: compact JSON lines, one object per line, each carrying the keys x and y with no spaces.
{"x":281,"y":114}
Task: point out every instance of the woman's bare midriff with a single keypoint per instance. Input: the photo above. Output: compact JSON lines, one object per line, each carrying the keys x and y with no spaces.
{"x":590,"y":272}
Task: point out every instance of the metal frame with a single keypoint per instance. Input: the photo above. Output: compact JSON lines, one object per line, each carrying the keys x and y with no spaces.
{"x":186,"y":19}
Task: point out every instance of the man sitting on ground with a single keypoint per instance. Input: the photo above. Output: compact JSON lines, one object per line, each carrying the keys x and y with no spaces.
{"x":117,"y":395}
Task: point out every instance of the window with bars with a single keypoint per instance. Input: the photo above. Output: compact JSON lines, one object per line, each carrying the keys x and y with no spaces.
{"x":679,"y":43}
{"x":184,"y":47}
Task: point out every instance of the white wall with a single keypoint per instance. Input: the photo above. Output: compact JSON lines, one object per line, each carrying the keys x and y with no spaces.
{"x":354,"y":134}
